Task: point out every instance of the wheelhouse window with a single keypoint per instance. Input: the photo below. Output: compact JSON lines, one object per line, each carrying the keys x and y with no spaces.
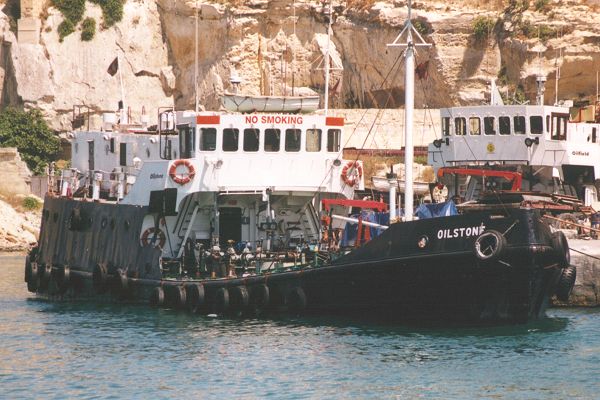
{"x":272,"y":140}
{"x":519,"y":122}
{"x":504,"y":125}
{"x":460,"y":126}
{"x":292,"y":139}
{"x":474,"y":126}
{"x":547,"y":123}
{"x":334,"y":137}
{"x":313,"y":140}
{"x":536,"y":124}
{"x":230,"y":139}
{"x":559,"y":126}
{"x":446,"y":126}
{"x":594,"y":136}
{"x":208,"y":139}
{"x":488,"y":126}
{"x":187,"y":141}
{"x":251,"y":139}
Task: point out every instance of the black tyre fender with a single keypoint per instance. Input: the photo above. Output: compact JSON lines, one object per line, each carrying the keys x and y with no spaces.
{"x":195,"y":296}
{"x":560,"y":245}
{"x":157,"y":297}
{"x":121,"y":282}
{"x":62,"y":277}
{"x":489,"y":246}
{"x":259,"y":296}
{"x":295,"y":299}
{"x":34,"y":279}
{"x":566,"y":282}
{"x":46,"y":273}
{"x":100,"y":278}
{"x":239,"y":298}
{"x":179,"y":297}
{"x":222,"y":300}
{"x":27,"y":268}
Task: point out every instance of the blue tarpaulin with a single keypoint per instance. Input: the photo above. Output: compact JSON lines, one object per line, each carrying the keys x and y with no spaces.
{"x":436,"y":210}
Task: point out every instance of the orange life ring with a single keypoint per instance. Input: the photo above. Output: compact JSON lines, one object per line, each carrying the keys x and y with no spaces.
{"x":149,"y":233}
{"x":182,"y":178}
{"x":354,"y":177}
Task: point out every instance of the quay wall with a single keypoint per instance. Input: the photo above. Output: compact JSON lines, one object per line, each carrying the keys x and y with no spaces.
{"x":587,"y":285}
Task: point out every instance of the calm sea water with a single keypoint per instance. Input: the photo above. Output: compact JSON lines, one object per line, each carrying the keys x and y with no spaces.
{"x":65,"y":350}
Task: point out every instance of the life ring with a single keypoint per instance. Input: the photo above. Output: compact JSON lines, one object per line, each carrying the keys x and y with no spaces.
{"x":566,"y":282}
{"x":149,"y":234}
{"x":561,"y":248}
{"x":182,"y":178}
{"x":194,"y":295}
{"x":489,"y":246}
{"x":353,"y":178}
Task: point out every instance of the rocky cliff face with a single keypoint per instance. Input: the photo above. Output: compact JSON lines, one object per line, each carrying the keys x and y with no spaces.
{"x":273,"y":46}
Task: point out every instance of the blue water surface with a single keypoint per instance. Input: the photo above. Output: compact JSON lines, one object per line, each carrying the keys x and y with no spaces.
{"x":66,"y":350}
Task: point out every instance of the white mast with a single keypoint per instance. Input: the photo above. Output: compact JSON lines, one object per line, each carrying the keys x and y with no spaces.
{"x":409,"y":88}
{"x":327,"y":59}
{"x":196,"y":57}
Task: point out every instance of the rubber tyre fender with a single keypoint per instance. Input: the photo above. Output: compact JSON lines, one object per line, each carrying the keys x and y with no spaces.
{"x":296,"y":299}
{"x":195,"y":296}
{"x":27,"y":268}
{"x":34,"y":280}
{"x":560,"y":245}
{"x":157,"y":297}
{"x":239,"y":298}
{"x":179,"y":297}
{"x":489,"y":246}
{"x":62,"y":276}
{"x":121,"y":282}
{"x":222,"y":300}
{"x":100,"y":279}
{"x":566,"y":282}
{"x":259,"y":296}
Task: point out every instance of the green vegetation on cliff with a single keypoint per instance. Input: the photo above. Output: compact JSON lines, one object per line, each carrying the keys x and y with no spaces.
{"x":73,"y":11}
{"x":29,"y":133}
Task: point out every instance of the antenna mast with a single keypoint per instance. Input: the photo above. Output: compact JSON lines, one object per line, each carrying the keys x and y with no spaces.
{"x":196,"y":56}
{"x":409,"y":88}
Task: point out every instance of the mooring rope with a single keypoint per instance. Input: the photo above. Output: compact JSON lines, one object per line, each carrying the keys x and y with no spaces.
{"x":585,"y":254}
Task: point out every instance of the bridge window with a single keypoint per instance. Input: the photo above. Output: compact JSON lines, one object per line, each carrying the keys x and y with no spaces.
{"x":460,"y":126}
{"x":504,"y":123}
{"x":292,"y":139}
{"x":313,"y":140}
{"x":334,"y":137}
{"x":272,"y":139}
{"x":593,"y":135}
{"x":488,"y":126}
{"x":208,"y":139}
{"x":446,"y":126}
{"x":230,"y":139}
{"x":547,"y":123}
{"x":475,"y":126}
{"x":536,"y":124}
{"x":559,"y":126}
{"x":187,"y":141}
{"x":251,"y":136}
{"x":519,"y":125}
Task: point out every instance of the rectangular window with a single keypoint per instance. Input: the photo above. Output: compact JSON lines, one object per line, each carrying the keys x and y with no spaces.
{"x":474,"y":126}
{"x":208,"y":139}
{"x":446,"y":126}
{"x":123,"y":154}
{"x":488,"y":126}
{"x":272,"y":139}
{"x":292,"y":139}
{"x":504,"y":124}
{"x":593,"y":135}
{"x":334,"y":137}
{"x":536,"y":124}
{"x":520,"y":128}
{"x":460,"y":126}
{"x":313,"y":140}
{"x":559,"y":126}
{"x":251,"y":137}
{"x":231,"y":139}
{"x":547,"y":123}
{"x":186,"y":141}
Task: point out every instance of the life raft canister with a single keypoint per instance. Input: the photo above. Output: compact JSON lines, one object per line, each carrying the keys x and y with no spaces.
{"x":149,"y":234}
{"x":352,"y":173}
{"x":185,"y":177}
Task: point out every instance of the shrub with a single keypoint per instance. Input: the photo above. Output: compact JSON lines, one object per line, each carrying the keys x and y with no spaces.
{"x":541,"y":5}
{"x":29,"y":133}
{"x":71,"y":9}
{"x":483,"y":27}
{"x":88,"y":29}
{"x":422,"y":26}
{"x":31,"y":203}
{"x":112,"y":11}
{"x":65,"y":29}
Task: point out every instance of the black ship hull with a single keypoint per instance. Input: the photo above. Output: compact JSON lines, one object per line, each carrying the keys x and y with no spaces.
{"x":426,"y":270}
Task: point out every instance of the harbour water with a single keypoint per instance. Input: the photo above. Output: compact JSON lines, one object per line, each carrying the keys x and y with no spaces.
{"x":67,"y":350}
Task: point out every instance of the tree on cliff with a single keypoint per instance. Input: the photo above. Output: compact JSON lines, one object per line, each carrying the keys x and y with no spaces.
{"x":29,"y":133}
